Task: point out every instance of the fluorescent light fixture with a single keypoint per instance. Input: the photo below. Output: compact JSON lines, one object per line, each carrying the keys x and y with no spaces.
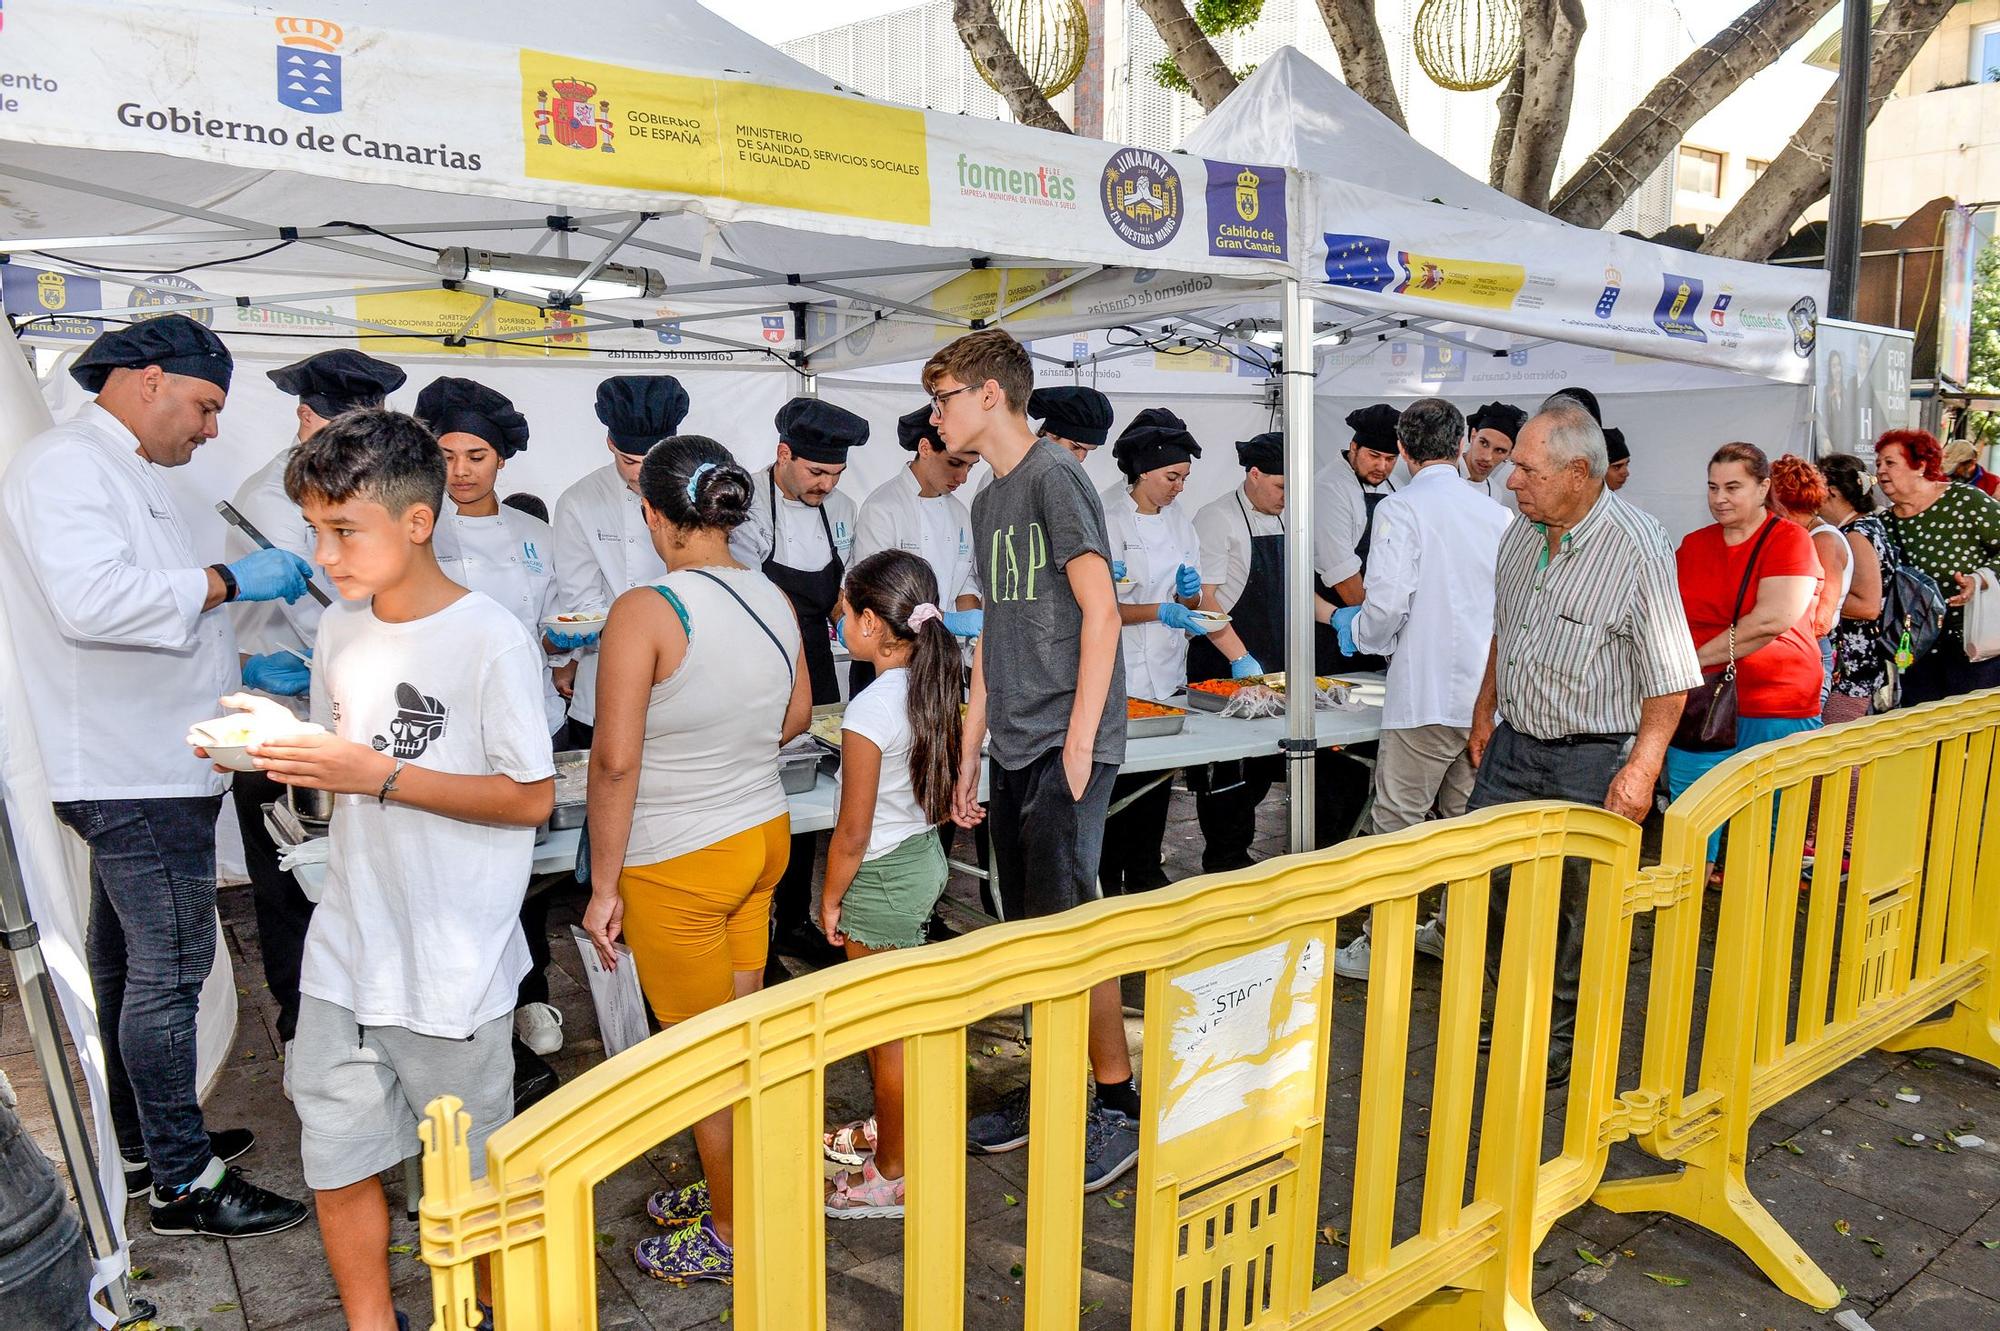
{"x":537,"y":274}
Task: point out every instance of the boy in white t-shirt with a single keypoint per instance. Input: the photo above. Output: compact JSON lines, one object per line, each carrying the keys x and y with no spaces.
{"x":438,"y":751}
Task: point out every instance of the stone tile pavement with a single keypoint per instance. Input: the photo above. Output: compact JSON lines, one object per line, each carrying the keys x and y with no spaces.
{"x":1904,"y":1229}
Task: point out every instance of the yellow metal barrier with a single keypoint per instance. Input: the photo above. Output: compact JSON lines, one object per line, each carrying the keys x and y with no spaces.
{"x":1913,"y":928}
{"x":1238,"y":1019}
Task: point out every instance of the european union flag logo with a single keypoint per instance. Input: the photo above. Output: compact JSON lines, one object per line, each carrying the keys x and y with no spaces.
{"x":1360,"y":262}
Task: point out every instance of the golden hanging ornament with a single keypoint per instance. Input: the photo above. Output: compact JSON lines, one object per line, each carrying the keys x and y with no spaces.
{"x":1050,"y":37}
{"x":1467,"y":45}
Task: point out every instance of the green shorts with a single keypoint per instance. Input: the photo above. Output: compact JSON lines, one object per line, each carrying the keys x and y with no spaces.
{"x":891,"y":897}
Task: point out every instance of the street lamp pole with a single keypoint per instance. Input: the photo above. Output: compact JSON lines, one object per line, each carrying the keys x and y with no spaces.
{"x":1850,"y":153}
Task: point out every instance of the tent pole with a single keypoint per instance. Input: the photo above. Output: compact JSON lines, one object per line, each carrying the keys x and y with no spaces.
{"x":1296,"y":376}
{"x":23,"y":943}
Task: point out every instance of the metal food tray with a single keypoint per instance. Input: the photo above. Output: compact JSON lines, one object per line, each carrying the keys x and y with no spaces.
{"x":572,"y":777}
{"x":1208,"y":702}
{"x":1152,"y":727}
{"x":798,"y":765}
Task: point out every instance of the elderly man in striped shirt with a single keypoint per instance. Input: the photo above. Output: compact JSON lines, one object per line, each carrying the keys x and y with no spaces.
{"x":1590,"y":664}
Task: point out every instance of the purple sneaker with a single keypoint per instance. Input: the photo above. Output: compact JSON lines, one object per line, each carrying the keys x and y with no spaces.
{"x":692,"y":1252}
{"x":679,"y":1206}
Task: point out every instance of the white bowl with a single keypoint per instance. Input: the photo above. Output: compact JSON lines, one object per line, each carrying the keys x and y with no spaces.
{"x":581,"y":622}
{"x":227,"y":739}
{"x":1209,"y":620}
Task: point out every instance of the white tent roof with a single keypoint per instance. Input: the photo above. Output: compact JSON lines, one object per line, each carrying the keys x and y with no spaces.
{"x":1295,"y":113}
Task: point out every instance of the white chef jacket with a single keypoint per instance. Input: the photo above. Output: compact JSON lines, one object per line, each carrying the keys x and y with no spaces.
{"x":1225,"y":542}
{"x":1494,"y":487}
{"x":603,"y":550}
{"x":511,"y":558}
{"x":104,"y":595}
{"x":1152,"y":548}
{"x":1340,"y":516}
{"x":801,"y":540}
{"x":1429,"y":606}
{"x":271,"y":626}
{"x":896,"y":516}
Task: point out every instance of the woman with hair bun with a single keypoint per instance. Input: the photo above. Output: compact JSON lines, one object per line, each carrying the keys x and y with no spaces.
{"x":1797,"y":491}
{"x":701,"y":677}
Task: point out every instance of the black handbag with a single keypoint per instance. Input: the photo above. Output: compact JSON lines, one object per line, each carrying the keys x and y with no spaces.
{"x":1708,"y":721}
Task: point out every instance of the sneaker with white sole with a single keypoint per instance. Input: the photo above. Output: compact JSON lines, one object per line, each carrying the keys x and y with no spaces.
{"x":1351,"y":962}
{"x":1430,"y":938}
{"x":540,"y":1027}
{"x":1110,"y":1147}
{"x":1003,"y":1128}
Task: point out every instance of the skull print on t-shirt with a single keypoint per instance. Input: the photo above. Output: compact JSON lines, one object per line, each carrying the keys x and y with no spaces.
{"x":419,"y":719}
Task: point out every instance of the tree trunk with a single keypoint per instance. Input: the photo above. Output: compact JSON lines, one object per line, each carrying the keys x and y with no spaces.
{"x":1551,"y":31}
{"x":987,"y":43}
{"x":1364,"y":57}
{"x":1503,"y":132}
{"x":1763,"y":217}
{"x":1697,"y":86}
{"x":1190,"y":48}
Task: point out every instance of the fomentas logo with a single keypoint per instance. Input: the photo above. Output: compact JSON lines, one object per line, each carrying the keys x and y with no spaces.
{"x":1043,"y":185}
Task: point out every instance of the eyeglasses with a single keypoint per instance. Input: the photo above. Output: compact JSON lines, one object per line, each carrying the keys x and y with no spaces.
{"x":938,"y":399}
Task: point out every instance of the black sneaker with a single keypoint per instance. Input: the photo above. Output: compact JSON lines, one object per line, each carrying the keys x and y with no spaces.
{"x":235,"y":1208}
{"x":226,"y":1146}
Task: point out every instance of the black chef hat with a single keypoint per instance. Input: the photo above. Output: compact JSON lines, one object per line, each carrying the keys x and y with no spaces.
{"x":1156,"y":438}
{"x":915,"y":428}
{"x":337,"y":381}
{"x":1502,"y":416}
{"x":1583,"y":397}
{"x":174,"y":342}
{"x":1265,"y":452}
{"x":819,"y":431}
{"x":1614,"y":444}
{"x":639,"y":410}
{"x":1080,"y":415}
{"x":1375,"y":427}
{"x":460,"y":406}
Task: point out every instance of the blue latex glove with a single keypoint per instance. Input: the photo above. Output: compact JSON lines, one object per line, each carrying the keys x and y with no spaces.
{"x":570,"y":642}
{"x":964,"y":623}
{"x":1343,"y":627}
{"x":1117,"y":569}
{"x":279,"y":673}
{"x":1177,"y":616}
{"x":271,"y":575}
{"x":1244,"y":666}
{"x":840,"y":630}
{"x":1187,"y":581}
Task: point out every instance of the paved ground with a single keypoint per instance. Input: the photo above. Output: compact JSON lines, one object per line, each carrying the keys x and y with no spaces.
{"x":1904,"y":1230}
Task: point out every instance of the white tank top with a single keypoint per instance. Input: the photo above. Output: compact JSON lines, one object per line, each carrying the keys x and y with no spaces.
{"x":710,"y":765}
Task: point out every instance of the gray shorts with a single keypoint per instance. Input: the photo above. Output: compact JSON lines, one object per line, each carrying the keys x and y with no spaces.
{"x":360,"y":1091}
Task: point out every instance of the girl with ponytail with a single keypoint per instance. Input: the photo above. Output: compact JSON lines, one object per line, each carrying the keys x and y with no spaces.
{"x":885,"y":867}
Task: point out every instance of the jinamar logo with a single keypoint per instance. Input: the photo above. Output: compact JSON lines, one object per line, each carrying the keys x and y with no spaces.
{"x":1141,"y":198}
{"x":167,"y":293}
{"x":570,"y":118}
{"x":309,"y":65}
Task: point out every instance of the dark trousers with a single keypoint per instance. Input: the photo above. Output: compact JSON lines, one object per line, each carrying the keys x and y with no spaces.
{"x":151,"y":943}
{"x":1046,"y":843}
{"x":1133,"y":836}
{"x":1520,"y":767}
{"x":1943,"y":672}
{"x":283,"y":911}
{"x":1226,"y":796}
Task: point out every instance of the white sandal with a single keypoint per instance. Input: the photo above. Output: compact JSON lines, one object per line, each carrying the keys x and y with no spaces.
{"x":850,"y":1144}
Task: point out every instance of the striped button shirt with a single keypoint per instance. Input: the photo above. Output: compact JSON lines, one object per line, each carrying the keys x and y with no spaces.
{"x":1584,"y":637}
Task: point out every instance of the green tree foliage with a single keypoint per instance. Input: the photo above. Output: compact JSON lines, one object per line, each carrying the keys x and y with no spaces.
{"x":1983,"y":365}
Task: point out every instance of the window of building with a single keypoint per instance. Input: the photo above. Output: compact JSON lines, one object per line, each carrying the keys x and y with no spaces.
{"x":1753,"y":171}
{"x":1985,"y":54}
{"x":1700,"y":172}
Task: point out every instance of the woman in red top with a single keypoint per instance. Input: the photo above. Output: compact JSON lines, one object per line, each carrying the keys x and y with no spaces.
{"x":1776,"y":652}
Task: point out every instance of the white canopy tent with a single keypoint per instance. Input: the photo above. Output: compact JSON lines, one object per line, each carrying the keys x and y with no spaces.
{"x":667,"y":193}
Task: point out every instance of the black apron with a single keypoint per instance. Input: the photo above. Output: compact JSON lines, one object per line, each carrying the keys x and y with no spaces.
{"x":1259,"y":613}
{"x":1327,"y":656}
{"x":812,"y":594}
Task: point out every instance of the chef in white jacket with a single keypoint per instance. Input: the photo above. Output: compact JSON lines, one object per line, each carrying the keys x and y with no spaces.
{"x":326,"y":385}
{"x":602,"y":546}
{"x":1429,"y":609}
{"x":916,"y":510}
{"x":128,"y":645}
{"x":1154,"y":539}
{"x":1489,"y":443}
